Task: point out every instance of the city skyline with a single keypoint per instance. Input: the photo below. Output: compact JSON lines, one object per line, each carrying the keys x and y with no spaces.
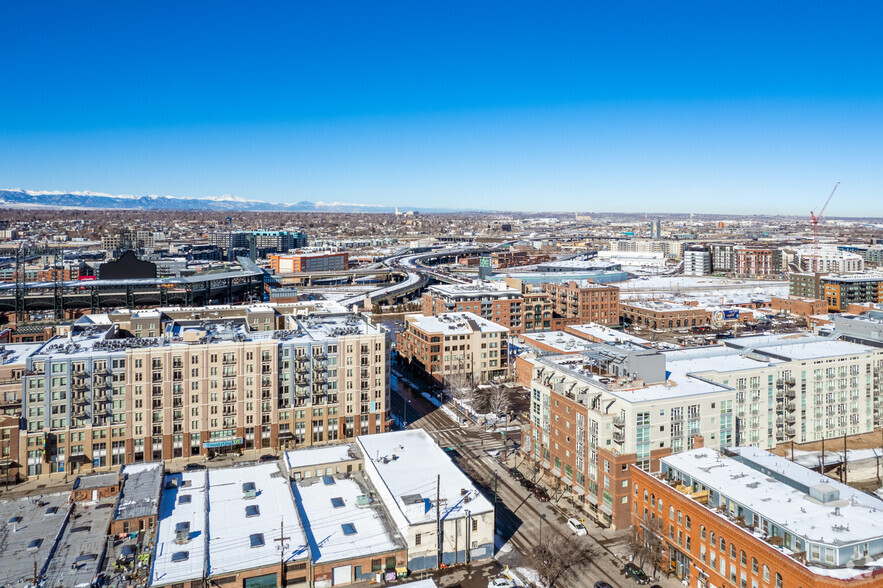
{"x":497,"y":107}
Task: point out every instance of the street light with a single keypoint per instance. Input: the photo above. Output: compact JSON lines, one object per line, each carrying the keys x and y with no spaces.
{"x":542,"y":516}
{"x":405,"y":403}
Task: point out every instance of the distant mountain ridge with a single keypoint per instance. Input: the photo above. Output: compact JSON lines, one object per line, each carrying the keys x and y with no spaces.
{"x":18,"y":198}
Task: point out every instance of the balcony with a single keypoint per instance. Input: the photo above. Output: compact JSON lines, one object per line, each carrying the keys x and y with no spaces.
{"x":618,"y":437}
{"x":790,"y":419}
{"x":619,"y":422}
{"x":320,"y":367}
{"x":320,"y":355}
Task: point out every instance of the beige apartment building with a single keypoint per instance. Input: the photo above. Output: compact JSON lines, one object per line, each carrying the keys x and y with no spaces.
{"x":100,"y":397}
{"x":454,"y":344}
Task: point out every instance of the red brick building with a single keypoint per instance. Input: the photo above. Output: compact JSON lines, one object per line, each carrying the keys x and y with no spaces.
{"x":587,"y":302}
{"x":697,"y":532}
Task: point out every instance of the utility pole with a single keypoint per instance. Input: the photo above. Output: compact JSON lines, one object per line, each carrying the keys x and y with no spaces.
{"x":281,"y":540}
{"x":845,"y":476}
{"x":495,"y":492}
{"x":438,"y":534}
{"x":823,"y":455}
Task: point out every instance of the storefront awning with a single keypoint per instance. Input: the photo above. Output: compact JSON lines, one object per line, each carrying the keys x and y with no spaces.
{"x":567,"y":481}
{"x":578,"y":491}
{"x":606,"y":510}
{"x":592,"y":499}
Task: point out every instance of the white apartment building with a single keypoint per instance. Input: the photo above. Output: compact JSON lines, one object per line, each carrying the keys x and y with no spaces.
{"x":697,"y":262}
{"x":827,"y":260}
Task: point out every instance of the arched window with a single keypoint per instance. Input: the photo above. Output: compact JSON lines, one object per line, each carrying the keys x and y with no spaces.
{"x":732,"y":551}
{"x":766,"y":573}
{"x":754,"y":564}
{"x":653,"y":500}
{"x":778,"y":580}
{"x":702,"y":531}
{"x":659,"y":505}
{"x":645,"y":496}
{"x":671,"y":513}
{"x":723,"y":545}
{"x":743,"y":559}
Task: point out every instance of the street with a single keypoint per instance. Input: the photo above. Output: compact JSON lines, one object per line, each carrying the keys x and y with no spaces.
{"x":519,"y":512}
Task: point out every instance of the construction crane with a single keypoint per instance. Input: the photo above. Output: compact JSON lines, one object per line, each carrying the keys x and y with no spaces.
{"x":815,"y":228}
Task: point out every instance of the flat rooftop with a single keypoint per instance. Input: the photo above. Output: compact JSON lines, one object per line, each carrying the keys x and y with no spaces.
{"x":242,"y":538}
{"x":455,"y":323}
{"x":558,"y":340}
{"x":605,"y":334}
{"x":342,"y":521}
{"x":140,"y":490}
{"x":13,"y":353}
{"x":183,"y":504}
{"x":315,"y":456}
{"x":476,"y":290}
{"x":837,"y":522}
{"x":404,"y":467}
{"x":29,"y":528}
{"x":82,"y":546}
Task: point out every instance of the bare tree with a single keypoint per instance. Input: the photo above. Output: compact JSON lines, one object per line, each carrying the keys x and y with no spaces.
{"x":556,"y":555}
{"x":646,"y":546}
{"x":499,"y":400}
{"x":461,"y":387}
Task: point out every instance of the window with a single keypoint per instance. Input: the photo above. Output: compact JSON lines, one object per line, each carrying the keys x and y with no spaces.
{"x":754,"y":564}
{"x":702,"y":531}
{"x":743,"y":559}
{"x":184,"y":499}
{"x":417,"y":539}
{"x":766,"y":573}
{"x":475,"y":524}
{"x":349,"y":529}
{"x":256,"y":539}
{"x":687,"y":522}
{"x":778,"y":580}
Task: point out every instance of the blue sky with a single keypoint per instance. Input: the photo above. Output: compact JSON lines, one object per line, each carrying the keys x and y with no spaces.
{"x":751,"y":108}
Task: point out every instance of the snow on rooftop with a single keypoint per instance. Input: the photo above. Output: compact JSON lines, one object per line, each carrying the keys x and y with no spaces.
{"x":833,"y":523}
{"x":606,"y":334}
{"x":300,"y":458}
{"x":558,"y":340}
{"x":17,"y":352}
{"x":240,"y":539}
{"x":183,"y":503}
{"x":326,"y":508}
{"x":816,"y":350}
{"x":455,"y":323}
{"x":404,"y":467}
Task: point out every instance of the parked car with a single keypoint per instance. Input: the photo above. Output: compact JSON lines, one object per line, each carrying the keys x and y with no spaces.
{"x":266,"y":458}
{"x":501,"y":583}
{"x":193,"y":467}
{"x":541,"y":494}
{"x":602,"y":584}
{"x":636,"y":573}
{"x":516,"y":473}
{"x":526,"y":483}
{"x":577,"y":527}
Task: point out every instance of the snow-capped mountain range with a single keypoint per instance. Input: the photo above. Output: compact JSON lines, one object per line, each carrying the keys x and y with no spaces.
{"x":18,"y":198}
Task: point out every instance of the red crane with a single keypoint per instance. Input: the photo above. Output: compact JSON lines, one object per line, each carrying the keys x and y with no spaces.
{"x":815,"y":228}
